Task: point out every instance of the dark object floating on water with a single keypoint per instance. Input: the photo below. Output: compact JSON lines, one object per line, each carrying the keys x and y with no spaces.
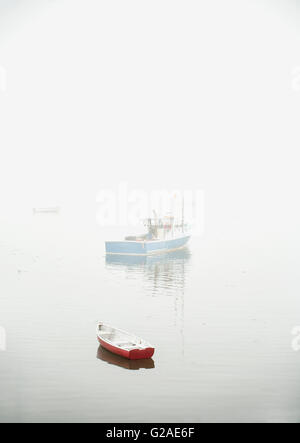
{"x":47,"y":210}
{"x":123,"y":343}
{"x":117,"y":360}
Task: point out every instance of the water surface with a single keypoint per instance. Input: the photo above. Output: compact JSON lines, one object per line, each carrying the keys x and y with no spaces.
{"x":219,"y":316}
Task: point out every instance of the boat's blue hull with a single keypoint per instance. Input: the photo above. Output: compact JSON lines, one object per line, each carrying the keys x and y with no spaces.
{"x":180,"y":254}
{"x":145,"y":247}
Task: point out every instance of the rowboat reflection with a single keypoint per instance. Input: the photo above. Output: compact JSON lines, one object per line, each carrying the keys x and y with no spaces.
{"x":117,"y":360}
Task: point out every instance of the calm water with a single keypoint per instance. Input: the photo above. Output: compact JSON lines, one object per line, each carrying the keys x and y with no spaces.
{"x":220,"y":319}
{"x":161,"y":96}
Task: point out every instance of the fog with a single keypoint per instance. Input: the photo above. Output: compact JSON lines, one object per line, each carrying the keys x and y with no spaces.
{"x":197,"y":95}
{"x":167,"y":94}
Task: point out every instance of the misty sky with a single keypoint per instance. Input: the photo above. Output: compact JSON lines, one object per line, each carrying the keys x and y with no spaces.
{"x":160,"y":94}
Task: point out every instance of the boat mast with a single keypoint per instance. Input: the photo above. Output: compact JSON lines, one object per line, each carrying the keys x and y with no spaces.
{"x":182,"y":215}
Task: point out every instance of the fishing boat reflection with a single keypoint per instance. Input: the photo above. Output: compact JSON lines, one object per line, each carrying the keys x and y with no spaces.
{"x":137,"y":260}
{"x":117,"y":360}
{"x":162,"y":275}
{"x":165,"y":271}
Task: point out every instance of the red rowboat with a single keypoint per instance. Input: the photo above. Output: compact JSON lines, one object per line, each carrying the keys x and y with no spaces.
{"x":123,"y":343}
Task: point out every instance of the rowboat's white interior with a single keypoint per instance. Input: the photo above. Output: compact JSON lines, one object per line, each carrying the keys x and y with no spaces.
{"x":121,"y":339}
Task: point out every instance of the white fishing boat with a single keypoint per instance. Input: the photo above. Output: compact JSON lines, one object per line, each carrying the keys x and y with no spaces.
{"x":163,"y":235}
